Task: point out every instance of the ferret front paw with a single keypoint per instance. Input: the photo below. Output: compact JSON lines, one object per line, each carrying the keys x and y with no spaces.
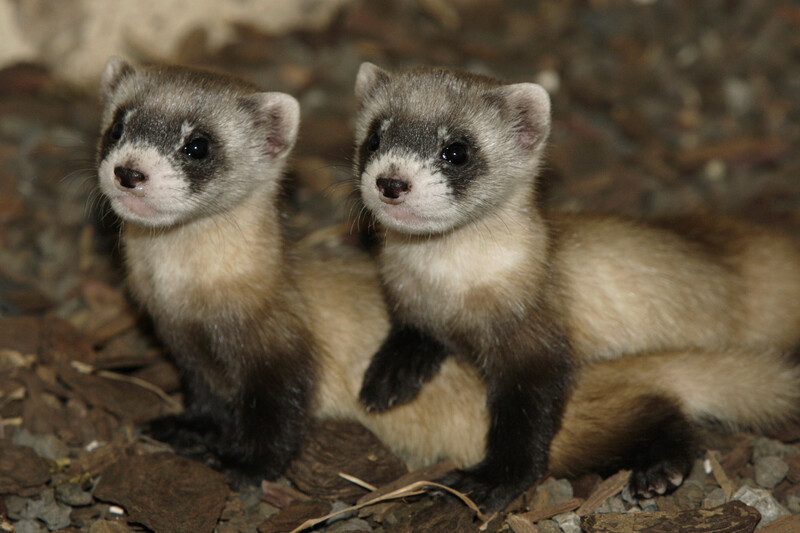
{"x":407,"y":359}
{"x":185,"y":434}
{"x":390,"y":381}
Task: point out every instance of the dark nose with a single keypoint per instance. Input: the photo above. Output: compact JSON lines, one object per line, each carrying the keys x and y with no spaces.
{"x":391,"y":188}
{"x":129,"y":178}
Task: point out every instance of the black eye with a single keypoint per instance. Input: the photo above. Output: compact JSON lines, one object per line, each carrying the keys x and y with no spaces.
{"x":456,"y":153}
{"x":197,"y":148}
{"x":374,"y":142}
{"x":116,"y":131}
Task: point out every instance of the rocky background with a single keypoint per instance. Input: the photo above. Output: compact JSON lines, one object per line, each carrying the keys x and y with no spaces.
{"x":660,"y":107}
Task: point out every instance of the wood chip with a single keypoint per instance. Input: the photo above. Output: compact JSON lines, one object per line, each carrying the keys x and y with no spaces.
{"x":552,"y":510}
{"x":428,"y":473}
{"x":521,"y":525}
{"x":733,"y":517}
{"x":335,"y":447}
{"x":604,"y":491}
{"x":728,"y":486}
{"x":99,"y":459}
{"x":126,"y":400}
{"x":279,"y":495}
{"x":165,"y":492}
{"x":785,"y":524}
{"x":22,"y":471}
{"x":293,"y":515}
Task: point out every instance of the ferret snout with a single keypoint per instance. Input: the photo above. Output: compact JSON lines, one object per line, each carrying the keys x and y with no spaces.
{"x":128,"y":177}
{"x":392,"y":190}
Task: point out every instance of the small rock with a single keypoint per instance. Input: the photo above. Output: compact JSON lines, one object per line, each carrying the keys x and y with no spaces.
{"x":548,"y":526}
{"x":739,"y":95}
{"x":29,"y":526}
{"x":354,"y":524}
{"x":763,"y":447}
{"x":714,"y":499}
{"x":762,"y":500}
{"x":108,"y":526}
{"x":649,"y":505}
{"x":612,"y":505}
{"x":72,"y":494}
{"x":15,"y":506}
{"x":47,"y":446}
{"x":770,"y":471}
{"x":47,"y":509}
{"x":556,"y":491}
{"x":568,"y":522}
{"x":337,"y":507}
{"x":689,"y":495}
{"x":793,"y":503}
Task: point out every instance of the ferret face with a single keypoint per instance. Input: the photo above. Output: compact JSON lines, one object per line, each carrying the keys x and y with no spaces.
{"x":437,"y":149}
{"x":178,"y":144}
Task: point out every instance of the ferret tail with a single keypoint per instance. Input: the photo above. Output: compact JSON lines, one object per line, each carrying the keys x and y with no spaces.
{"x":621,"y":406}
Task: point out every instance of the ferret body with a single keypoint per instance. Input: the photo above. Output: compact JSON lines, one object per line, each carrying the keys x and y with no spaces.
{"x":269,"y":335}
{"x":470,"y":264}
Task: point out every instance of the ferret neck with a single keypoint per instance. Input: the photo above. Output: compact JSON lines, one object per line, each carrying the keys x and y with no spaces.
{"x":238,"y":247}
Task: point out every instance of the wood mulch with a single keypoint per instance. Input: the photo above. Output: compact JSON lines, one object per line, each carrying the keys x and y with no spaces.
{"x":660,"y":108}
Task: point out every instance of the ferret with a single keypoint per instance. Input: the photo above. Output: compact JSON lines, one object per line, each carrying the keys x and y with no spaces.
{"x":269,"y":335}
{"x":471,"y":265}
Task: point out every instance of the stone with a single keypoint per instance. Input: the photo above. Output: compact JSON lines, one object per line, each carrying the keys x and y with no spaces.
{"x":762,"y":500}
{"x":568,"y":522}
{"x":770,"y":470}
{"x":714,"y":499}
{"x":353,"y":524}
{"x":108,"y":526}
{"x":548,"y":526}
{"x":689,"y":495}
{"x":51,"y":512}
{"x":73,"y":495}
{"x":763,"y":446}
{"x":793,"y":503}
{"x":47,"y":446}
{"x":556,"y":491}
{"x":29,"y":526}
{"x":612,"y":505}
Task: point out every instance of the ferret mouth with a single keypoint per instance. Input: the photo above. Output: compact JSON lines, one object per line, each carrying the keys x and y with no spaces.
{"x":401,"y":212}
{"x":127,"y":205}
{"x":406,"y":219}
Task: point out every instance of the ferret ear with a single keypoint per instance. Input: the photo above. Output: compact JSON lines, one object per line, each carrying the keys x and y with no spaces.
{"x":369,"y":78}
{"x":528,"y":106}
{"x":116,"y":70}
{"x":279,"y":115}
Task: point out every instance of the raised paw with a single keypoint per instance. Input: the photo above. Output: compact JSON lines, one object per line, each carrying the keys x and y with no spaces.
{"x":389,"y":383}
{"x":407,"y":359}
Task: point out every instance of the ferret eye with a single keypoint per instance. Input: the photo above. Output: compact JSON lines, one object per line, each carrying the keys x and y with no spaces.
{"x":197,"y":148}
{"x":374,"y":142}
{"x":116,"y":131}
{"x":456,"y":153}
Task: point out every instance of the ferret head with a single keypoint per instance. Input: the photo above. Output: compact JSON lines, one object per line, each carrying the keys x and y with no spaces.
{"x":177,"y":144}
{"x":438,"y":148}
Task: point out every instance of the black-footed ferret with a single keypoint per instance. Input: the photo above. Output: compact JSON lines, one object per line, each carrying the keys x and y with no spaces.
{"x":447,"y":163}
{"x":269,"y":334}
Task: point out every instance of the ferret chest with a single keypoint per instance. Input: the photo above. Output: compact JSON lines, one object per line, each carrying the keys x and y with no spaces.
{"x":436,"y":280}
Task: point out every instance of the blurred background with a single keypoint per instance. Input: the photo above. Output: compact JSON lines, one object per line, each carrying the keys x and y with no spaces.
{"x":661,"y":107}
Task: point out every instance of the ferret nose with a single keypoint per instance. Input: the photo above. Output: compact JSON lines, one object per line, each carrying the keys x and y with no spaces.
{"x":391,"y":189}
{"x":129,"y":178}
